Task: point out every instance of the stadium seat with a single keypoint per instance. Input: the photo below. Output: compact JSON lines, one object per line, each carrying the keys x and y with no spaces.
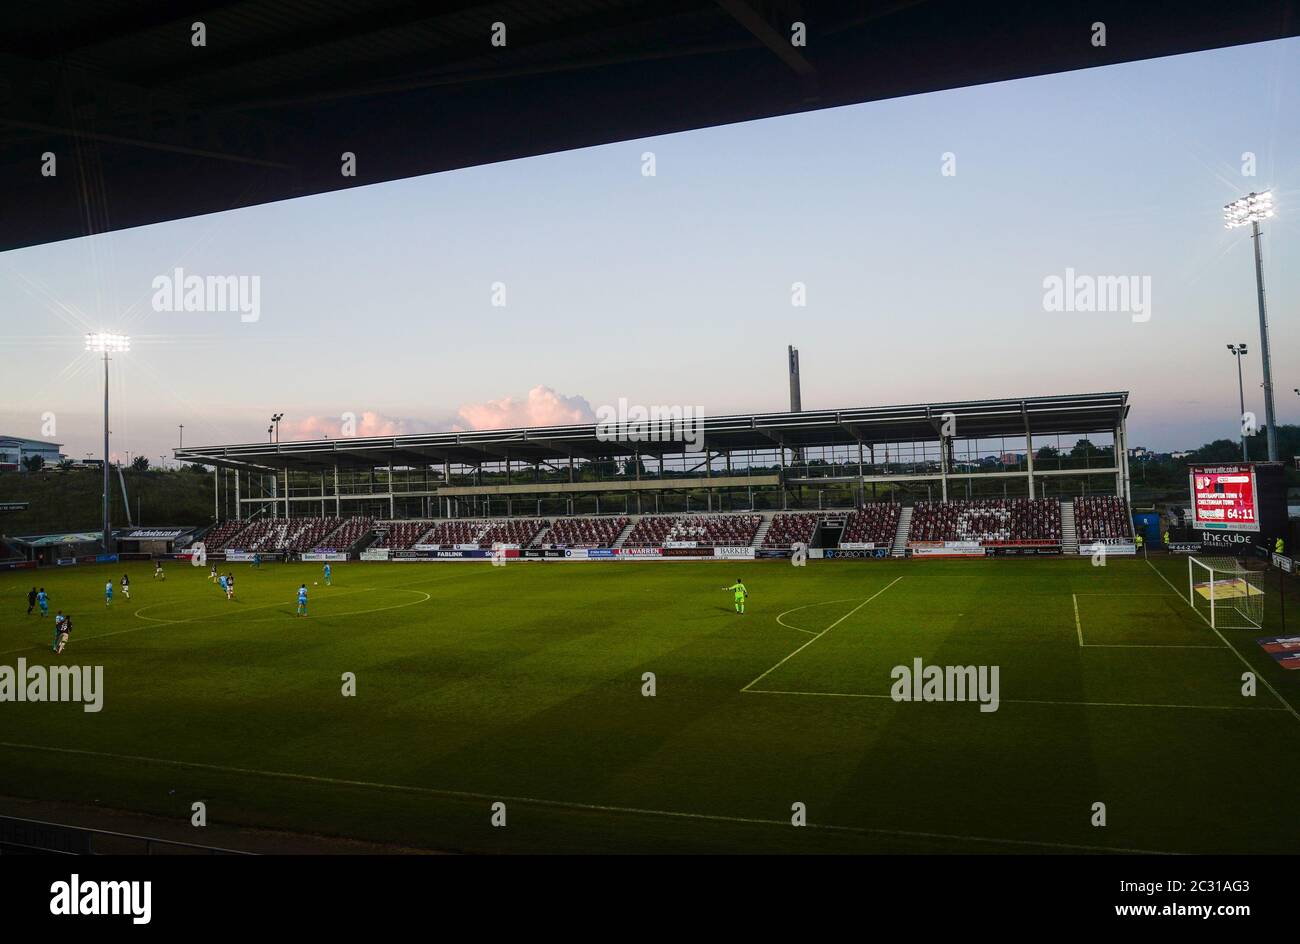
{"x":519,"y":531}
{"x":402,"y":534}
{"x":1104,"y":519}
{"x":875,"y":523}
{"x":988,"y":520}
{"x":585,"y":532}
{"x":219,"y":538}
{"x":716,"y":530}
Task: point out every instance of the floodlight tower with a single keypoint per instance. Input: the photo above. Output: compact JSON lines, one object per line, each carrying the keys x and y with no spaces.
{"x":106,"y":343}
{"x":1239,"y":351}
{"x":1250,"y":209}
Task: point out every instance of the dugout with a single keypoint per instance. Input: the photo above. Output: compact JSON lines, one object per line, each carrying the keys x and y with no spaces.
{"x":151,"y":542}
{"x":61,"y":549}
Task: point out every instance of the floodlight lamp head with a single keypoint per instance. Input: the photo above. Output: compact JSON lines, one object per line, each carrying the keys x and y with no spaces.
{"x":104,"y":342}
{"x":1248,"y":209}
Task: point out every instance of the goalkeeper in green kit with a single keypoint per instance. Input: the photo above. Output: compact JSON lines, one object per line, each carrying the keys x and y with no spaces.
{"x":739,"y":589}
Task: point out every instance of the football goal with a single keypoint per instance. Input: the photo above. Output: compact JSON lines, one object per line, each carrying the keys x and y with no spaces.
{"x":1226,"y":594}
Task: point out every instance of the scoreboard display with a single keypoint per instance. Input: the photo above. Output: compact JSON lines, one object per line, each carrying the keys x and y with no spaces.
{"x":1225,"y":497}
{"x":1239,"y":505}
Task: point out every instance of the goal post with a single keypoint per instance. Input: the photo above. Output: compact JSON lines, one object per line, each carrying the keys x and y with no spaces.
{"x":1224,"y":593}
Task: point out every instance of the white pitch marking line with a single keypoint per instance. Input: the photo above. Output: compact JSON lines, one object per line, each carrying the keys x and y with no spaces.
{"x":1025,"y":701}
{"x":155,"y":622}
{"x":379,"y":609}
{"x":139,"y":614}
{"x":1078,"y":627}
{"x":825,"y":631}
{"x":1155,"y":645}
{"x":1258,"y":675}
{"x":810,"y":632}
{"x":566,"y":804}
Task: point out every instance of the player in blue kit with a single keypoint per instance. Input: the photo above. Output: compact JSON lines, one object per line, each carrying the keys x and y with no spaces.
{"x":108,"y":593}
{"x":327,"y":575}
{"x":222,"y":581}
{"x":302,"y":600}
{"x":43,"y":601}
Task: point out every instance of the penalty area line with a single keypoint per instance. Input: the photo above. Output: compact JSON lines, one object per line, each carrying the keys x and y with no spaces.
{"x":1258,"y":675}
{"x":573,"y":805}
{"x":1078,"y":628}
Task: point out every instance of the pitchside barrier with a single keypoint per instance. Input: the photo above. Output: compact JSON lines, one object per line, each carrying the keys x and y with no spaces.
{"x":1112,"y":548}
{"x":948,"y":549}
{"x":570,"y":554}
{"x":691,"y":551}
{"x":29,"y":836}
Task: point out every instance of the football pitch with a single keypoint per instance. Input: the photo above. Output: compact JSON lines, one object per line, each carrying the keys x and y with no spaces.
{"x":625,"y":707}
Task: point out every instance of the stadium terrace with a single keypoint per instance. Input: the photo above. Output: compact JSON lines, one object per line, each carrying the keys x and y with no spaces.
{"x":1029,"y":475}
{"x":935,"y":451}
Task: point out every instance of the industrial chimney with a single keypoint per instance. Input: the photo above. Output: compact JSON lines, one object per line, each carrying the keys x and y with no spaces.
{"x":796,"y":405}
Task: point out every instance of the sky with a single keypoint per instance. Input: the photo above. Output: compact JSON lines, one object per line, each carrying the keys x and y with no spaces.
{"x":678,"y":287}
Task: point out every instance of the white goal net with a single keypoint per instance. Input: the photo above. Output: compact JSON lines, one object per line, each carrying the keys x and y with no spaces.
{"x":1226,"y":594}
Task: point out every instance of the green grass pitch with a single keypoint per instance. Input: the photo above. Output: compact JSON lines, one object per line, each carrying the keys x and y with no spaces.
{"x":523,"y":685}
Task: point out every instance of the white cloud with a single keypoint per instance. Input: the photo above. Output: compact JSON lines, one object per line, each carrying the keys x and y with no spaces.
{"x":541,"y":406}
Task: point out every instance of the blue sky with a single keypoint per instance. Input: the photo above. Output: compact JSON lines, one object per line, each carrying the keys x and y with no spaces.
{"x":676,"y":288}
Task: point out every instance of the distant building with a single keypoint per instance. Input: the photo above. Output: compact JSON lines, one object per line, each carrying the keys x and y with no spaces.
{"x":1179,"y":455}
{"x":14,"y":449}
